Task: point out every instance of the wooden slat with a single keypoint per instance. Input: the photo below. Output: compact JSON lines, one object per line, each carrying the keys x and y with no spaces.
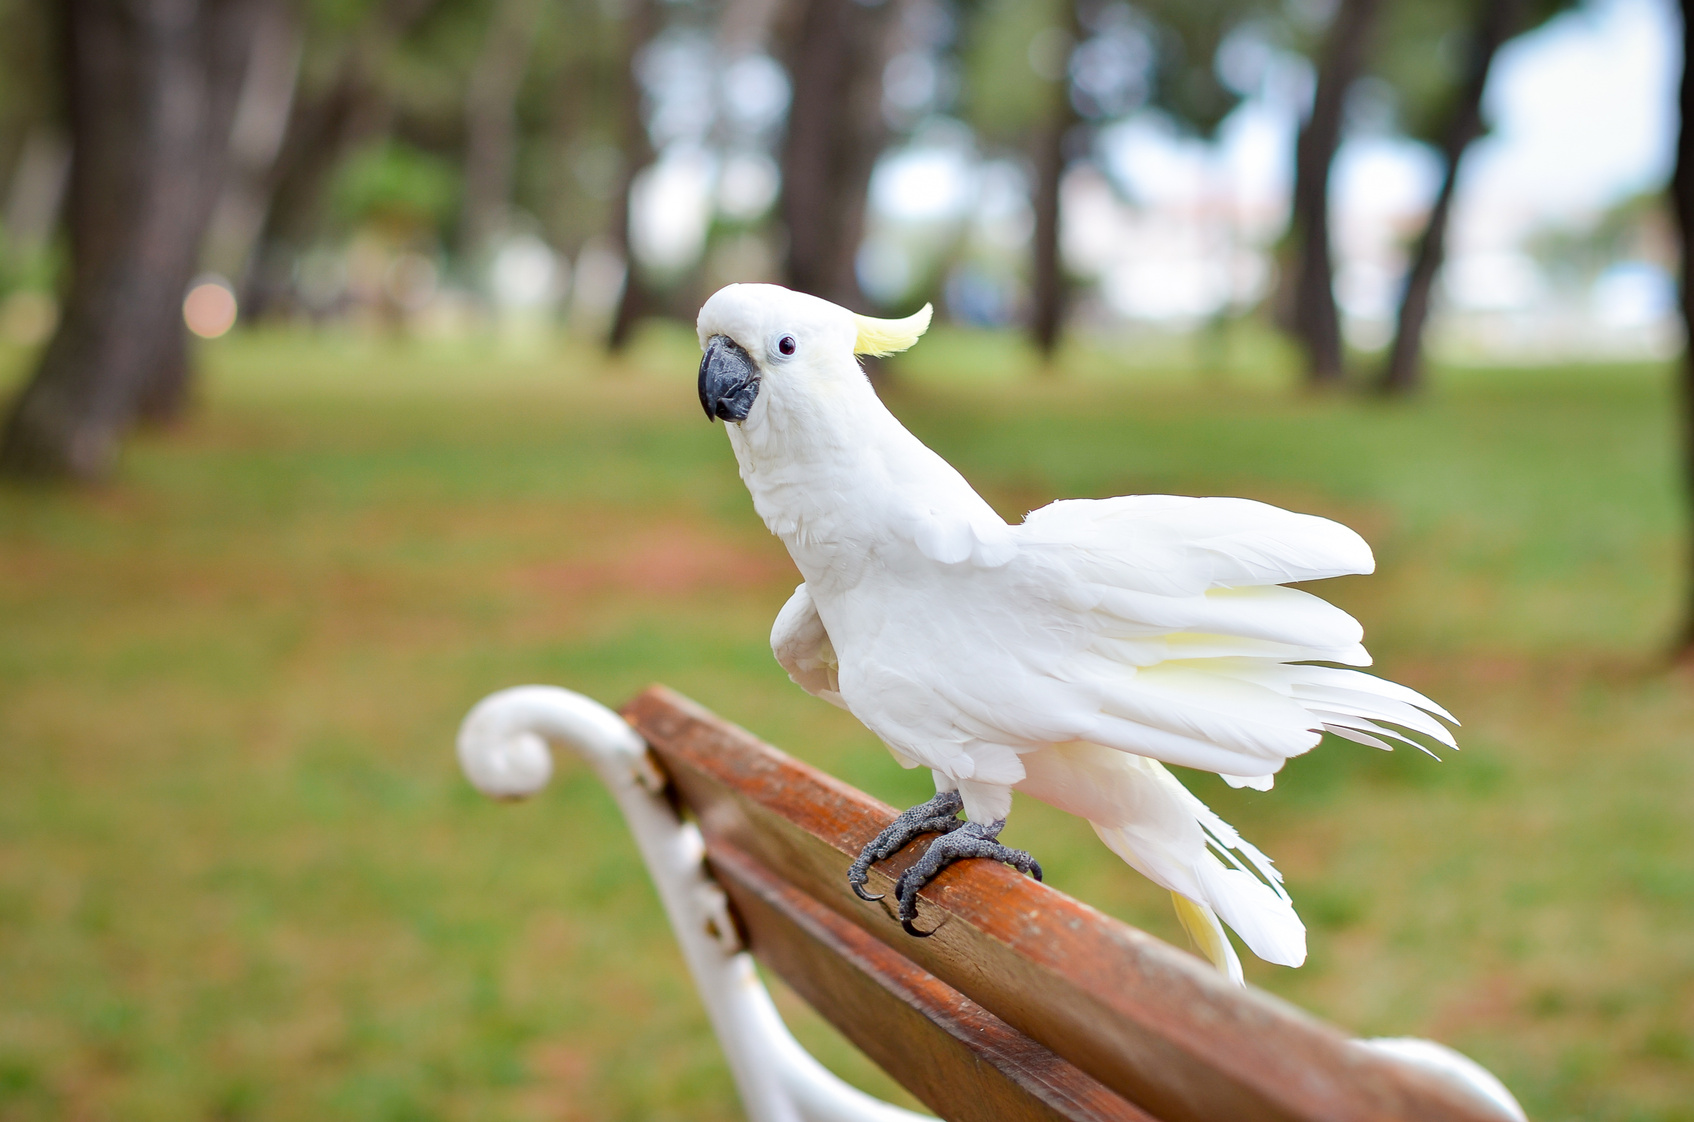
{"x":1152,"y":1023}
{"x":962,"y":1061}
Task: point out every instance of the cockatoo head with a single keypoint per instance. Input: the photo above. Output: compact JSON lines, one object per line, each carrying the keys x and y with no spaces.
{"x":763,"y":342}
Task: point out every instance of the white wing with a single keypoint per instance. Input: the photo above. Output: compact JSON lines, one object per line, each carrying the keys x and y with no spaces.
{"x":802,"y":646}
{"x":1195,"y":647}
{"x":1172,"y":545}
{"x":1154,"y":625}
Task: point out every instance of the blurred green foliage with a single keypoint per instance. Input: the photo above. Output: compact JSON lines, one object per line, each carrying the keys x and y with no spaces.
{"x":398,"y":188}
{"x":240,"y":877}
{"x":27,"y":97}
{"x":27,"y":92}
{"x":1187,"y":82}
{"x":1003,"y":97}
{"x":1422,"y":54}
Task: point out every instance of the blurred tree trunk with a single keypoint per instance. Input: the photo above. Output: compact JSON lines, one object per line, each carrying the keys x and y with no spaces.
{"x":1051,"y":292}
{"x":1314,"y":318}
{"x":491,"y":126}
{"x":1682,"y":205}
{"x":641,"y":23}
{"x":256,"y":135}
{"x":837,"y":52}
{"x":150,"y":89}
{"x":322,"y":128}
{"x":1497,"y":21}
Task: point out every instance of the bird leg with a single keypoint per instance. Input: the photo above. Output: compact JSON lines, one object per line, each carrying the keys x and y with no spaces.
{"x":937,"y":816}
{"x":972,"y":839}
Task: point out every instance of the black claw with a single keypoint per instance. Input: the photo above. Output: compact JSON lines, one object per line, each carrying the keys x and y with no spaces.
{"x":937,"y":816}
{"x":973,"y":839}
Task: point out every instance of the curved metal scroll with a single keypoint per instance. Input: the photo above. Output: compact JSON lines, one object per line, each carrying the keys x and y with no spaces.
{"x":504,"y":752}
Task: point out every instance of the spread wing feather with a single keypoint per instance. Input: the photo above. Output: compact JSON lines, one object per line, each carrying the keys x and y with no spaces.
{"x":1191,"y":651}
{"x":1194,"y":653}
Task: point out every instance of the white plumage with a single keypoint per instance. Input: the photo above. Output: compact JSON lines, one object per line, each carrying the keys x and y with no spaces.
{"x":1068,"y":657}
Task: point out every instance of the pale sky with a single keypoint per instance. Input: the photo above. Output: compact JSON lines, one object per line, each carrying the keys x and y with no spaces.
{"x":1584,"y":112}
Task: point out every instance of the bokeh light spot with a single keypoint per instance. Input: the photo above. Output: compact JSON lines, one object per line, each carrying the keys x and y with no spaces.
{"x":209,"y":308}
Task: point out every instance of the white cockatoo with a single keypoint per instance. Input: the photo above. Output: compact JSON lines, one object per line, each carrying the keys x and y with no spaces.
{"x":1070,"y":657}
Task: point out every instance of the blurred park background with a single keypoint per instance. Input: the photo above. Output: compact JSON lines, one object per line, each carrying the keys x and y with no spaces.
{"x":348,"y":362}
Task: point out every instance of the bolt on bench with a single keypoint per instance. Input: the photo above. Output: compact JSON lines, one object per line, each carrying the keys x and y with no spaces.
{"x":1024,"y":1005}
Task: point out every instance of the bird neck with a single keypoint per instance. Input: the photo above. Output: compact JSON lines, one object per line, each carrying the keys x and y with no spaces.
{"x":815,"y":457}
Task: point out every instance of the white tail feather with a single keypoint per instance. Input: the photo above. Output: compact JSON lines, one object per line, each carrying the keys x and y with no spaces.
{"x":1169,"y":836}
{"x":1207,"y":931}
{"x":1264,"y":918}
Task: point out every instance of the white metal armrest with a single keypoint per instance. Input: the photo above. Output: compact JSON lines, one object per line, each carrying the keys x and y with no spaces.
{"x":503,"y":750}
{"x":1453,"y":1066}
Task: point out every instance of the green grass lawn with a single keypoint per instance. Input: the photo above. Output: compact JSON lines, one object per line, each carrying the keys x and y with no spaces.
{"x":240,"y":877}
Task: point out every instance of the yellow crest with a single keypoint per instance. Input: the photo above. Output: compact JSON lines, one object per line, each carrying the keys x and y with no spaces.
{"x":885,"y":336}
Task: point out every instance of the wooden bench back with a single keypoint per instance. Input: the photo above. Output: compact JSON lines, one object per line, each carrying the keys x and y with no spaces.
{"x":1025,"y":1004}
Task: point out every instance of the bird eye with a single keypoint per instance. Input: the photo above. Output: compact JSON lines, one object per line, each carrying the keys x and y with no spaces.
{"x":786,"y":344}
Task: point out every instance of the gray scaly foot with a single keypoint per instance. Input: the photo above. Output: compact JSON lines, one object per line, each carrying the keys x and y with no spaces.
{"x":973,"y":839}
{"x":937,"y":816}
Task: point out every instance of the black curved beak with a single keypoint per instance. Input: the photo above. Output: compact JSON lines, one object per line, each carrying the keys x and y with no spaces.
{"x":728,"y":380}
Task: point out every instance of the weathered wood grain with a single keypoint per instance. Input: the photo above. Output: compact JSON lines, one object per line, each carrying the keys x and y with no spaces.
{"x":962,"y":1061}
{"x":1154,"y":1024}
